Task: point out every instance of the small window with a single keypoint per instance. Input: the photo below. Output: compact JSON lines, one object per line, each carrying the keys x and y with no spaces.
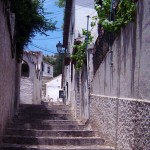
{"x":24,"y":69}
{"x":48,"y":70}
{"x":43,"y":67}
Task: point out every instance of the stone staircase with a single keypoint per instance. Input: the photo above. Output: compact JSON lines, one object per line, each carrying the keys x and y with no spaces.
{"x":40,"y":127}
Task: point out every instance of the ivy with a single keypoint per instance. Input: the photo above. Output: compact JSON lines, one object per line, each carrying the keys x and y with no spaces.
{"x":124,"y":14}
{"x":80,"y":55}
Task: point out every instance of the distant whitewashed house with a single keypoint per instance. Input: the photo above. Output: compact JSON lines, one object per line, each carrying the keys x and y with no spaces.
{"x":52,"y":89}
{"x":47,"y":74}
{"x":47,"y":70}
{"x":31,"y":71}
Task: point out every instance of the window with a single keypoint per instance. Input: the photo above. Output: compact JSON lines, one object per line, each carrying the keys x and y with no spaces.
{"x":43,"y":67}
{"x":48,"y":70}
{"x":24,"y":69}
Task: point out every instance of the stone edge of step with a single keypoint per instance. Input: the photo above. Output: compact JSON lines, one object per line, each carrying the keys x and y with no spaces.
{"x":47,"y":147}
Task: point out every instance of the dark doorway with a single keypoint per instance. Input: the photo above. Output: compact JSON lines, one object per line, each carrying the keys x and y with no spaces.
{"x":24,"y":69}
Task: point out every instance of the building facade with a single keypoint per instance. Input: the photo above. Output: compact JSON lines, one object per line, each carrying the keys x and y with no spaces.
{"x":31,"y":78}
{"x":53,"y":87}
{"x":75,"y":22}
{"x":9,"y":66}
{"x":47,"y":70}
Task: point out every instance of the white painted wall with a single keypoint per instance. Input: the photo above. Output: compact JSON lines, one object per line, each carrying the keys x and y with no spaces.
{"x":83,"y":9}
{"x":26,"y":89}
{"x":47,"y":73}
{"x":30,"y":88}
{"x":53,"y":87}
{"x":78,"y":21}
{"x":129,"y":75}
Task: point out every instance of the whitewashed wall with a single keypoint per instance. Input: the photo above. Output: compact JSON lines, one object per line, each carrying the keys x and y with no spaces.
{"x":78,"y":21}
{"x":53,"y":87}
{"x":26,"y":89}
{"x":83,"y":9}
{"x":33,"y":82}
{"x":45,"y":70}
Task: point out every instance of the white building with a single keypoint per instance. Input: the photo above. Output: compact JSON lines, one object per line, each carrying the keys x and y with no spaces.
{"x":31,"y":70}
{"x":119,"y":92}
{"x":47,"y":70}
{"x":52,"y":89}
{"x":75,"y":21}
{"x":47,"y":74}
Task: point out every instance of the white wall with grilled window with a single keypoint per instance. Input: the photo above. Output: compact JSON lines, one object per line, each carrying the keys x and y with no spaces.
{"x":47,"y":70}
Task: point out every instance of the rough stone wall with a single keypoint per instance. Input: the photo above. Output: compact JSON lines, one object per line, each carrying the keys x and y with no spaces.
{"x":123,"y":123}
{"x":8,"y":67}
{"x":103,"y":117}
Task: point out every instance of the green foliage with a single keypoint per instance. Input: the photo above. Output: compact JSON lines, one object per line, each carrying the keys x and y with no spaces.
{"x":60,"y":3}
{"x":58,"y":65}
{"x":50,"y":59}
{"x":80,"y":56}
{"x":124,"y":14}
{"x":30,"y":20}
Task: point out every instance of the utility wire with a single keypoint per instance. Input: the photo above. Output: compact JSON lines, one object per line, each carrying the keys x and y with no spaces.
{"x":47,"y":50}
{"x":81,"y":7}
{"x":49,"y":38}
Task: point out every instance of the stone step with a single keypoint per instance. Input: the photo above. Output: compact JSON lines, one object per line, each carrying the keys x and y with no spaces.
{"x":47,"y":111}
{"x":47,"y":147}
{"x":48,"y":117}
{"x":46,"y":127}
{"x":46,"y":122}
{"x":54,"y":133}
{"x":37,"y":120}
{"x":41,"y":127}
{"x":41,"y":114}
{"x":42,"y":107}
{"x":57,"y":141}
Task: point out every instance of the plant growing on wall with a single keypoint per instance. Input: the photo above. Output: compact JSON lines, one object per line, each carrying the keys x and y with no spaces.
{"x":80,"y":55}
{"x":123,"y":12}
{"x":60,"y":3}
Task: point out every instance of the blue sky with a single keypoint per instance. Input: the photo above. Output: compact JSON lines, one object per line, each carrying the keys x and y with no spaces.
{"x":49,"y":42}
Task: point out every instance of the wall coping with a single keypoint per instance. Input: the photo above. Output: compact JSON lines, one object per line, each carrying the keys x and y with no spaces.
{"x":122,"y":98}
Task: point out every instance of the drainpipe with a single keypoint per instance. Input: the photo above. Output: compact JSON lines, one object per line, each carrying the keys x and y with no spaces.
{"x":87,"y":39}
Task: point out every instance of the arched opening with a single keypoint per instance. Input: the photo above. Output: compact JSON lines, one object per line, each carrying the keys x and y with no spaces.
{"x":24,"y":69}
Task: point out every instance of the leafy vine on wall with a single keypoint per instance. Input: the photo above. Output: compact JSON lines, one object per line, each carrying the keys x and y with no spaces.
{"x":80,"y":55}
{"x":113,"y":15}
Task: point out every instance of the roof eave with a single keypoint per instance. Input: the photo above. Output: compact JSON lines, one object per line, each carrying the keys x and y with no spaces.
{"x":67,"y":18}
